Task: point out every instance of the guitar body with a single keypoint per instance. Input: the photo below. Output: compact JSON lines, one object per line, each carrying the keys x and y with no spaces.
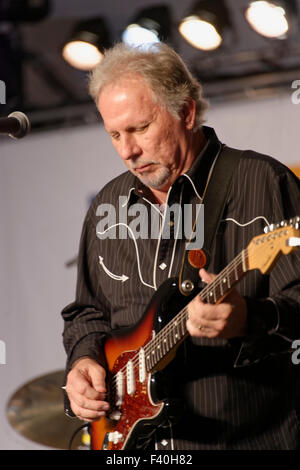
{"x":141,"y":410}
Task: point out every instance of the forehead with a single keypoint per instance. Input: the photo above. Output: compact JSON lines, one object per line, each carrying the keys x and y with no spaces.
{"x":129,"y":88}
{"x":127,"y":99}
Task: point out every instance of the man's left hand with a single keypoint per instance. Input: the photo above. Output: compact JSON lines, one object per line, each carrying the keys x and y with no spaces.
{"x":225,"y":320}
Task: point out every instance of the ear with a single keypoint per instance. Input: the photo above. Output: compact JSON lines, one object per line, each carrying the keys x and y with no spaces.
{"x":188,"y":114}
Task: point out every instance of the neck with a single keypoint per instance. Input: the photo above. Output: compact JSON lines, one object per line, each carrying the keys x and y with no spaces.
{"x":196,"y":144}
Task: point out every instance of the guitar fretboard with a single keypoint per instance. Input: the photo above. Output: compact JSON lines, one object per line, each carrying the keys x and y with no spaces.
{"x":175,"y":331}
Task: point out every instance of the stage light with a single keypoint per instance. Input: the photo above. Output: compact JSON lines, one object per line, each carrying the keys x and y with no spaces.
{"x":85,"y":48}
{"x":199,"y":33}
{"x":149,"y":26}
{"x":204,"y":26}
{"x":270,"y":19}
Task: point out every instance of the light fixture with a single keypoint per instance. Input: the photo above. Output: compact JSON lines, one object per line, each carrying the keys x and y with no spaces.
{"x":149,"y":26}
{"x":204,"y":26}
{"x":270,"y":18}
{"x":85,"y":48}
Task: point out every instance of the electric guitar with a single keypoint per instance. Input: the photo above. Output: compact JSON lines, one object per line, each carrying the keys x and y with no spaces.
{"x":136,"y":356}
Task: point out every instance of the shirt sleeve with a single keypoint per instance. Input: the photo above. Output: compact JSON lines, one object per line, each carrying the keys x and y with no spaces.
{"x":87,"y":319}
{"x":274,"y":321}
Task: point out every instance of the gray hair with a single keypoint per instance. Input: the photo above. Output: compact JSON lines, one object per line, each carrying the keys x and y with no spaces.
{"x":163,"y":70}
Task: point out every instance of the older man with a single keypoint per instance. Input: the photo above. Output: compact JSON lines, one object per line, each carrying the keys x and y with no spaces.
{"x":234,"y":374}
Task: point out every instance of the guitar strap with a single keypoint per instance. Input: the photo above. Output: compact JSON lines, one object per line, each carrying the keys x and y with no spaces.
{"x":214,"y":198}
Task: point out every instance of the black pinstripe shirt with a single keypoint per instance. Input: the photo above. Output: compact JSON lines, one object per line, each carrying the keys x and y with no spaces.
{"x":238,"y":394}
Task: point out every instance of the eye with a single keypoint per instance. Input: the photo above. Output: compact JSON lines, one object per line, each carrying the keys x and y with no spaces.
{"x":143,"y":128}
{"x":114,"y":136}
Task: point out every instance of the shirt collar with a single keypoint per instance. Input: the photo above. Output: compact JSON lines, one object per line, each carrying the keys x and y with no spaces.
{"x":198,"y":173}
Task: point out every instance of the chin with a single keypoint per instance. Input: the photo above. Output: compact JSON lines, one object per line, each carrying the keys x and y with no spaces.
{"x":161,"y":181}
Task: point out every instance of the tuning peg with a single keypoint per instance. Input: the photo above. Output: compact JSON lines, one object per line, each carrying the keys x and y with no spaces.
{"x":296,"y":222}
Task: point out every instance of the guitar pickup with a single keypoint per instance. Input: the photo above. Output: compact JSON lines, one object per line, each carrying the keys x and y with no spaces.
{"x":130,"y":378}
{"x":119,"y":388}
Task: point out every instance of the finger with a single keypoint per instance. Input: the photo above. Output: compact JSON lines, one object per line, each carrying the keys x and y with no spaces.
{"x":88,"y":415}
{"x":97,"y":376}
{"x":200,"y":331}
{"x":200,"y":312}
{"x":206,"y":277}
{"x":77,"y":382}
{"x":82,"y":402}
{"x":204,"y":328}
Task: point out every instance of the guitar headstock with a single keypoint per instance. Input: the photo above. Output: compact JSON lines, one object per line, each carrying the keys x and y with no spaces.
{"x":264,"y":250}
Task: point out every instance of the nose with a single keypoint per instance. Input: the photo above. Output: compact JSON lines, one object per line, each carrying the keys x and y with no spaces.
{"x":128,"y":147}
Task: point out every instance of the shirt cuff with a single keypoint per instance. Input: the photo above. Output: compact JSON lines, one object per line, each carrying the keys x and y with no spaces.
{"x":91,"y":346}
{"x":262,"y":316}
{"x":263,"y":322}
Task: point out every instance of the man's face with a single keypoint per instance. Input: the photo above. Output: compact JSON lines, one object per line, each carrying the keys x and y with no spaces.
{"x":152,"y":142}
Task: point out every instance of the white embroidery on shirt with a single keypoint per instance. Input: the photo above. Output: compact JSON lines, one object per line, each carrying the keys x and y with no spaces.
{"x":247,"y":223}
{"x":122,"y":278}
{"x":136,"y":249}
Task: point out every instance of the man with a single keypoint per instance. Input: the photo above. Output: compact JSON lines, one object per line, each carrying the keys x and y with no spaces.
{"x":234,"y":373}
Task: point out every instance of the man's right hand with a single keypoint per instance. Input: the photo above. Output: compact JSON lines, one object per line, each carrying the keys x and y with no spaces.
{"x":86,"y":389}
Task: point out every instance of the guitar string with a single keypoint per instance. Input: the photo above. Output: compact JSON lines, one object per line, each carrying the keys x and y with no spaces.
{"x":152,"y":344}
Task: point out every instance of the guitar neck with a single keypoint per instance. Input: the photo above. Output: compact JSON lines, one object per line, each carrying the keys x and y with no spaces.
{"x":175,"y":331}
{"x":261,"y":253}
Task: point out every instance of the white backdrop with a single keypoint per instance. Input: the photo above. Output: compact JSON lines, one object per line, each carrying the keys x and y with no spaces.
{"x":46,"y":183}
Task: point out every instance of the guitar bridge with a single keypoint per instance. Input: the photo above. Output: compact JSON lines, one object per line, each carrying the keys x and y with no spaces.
{"x":115,"y":415}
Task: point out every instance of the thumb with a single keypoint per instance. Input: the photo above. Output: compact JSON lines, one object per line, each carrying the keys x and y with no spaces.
{"x":206,"y":277}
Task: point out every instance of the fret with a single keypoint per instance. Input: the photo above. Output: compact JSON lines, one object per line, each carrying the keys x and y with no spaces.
{"x":153,"y":357}
{"x":159,"y":352}
{"x":228,"y":281}
{"x":169,"y":343}
{"x":176,"y":331}
{"x":236,"y":272}
{"x":170,"y":337}
{"x":182,"y":324}
{"x":221,"y":288}
{"x":240,"y":270}
{"x":165,"y":346}
{"x":218,"y":290}
{"x":148,"y":363}
{"x":244,"y":261}
{"x":211,"y":296}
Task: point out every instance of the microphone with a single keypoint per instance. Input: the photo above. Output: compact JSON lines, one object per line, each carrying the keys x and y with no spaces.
{"x":16,"y":125}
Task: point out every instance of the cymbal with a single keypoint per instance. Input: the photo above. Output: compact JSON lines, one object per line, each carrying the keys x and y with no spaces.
{"x":36,"y":411}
